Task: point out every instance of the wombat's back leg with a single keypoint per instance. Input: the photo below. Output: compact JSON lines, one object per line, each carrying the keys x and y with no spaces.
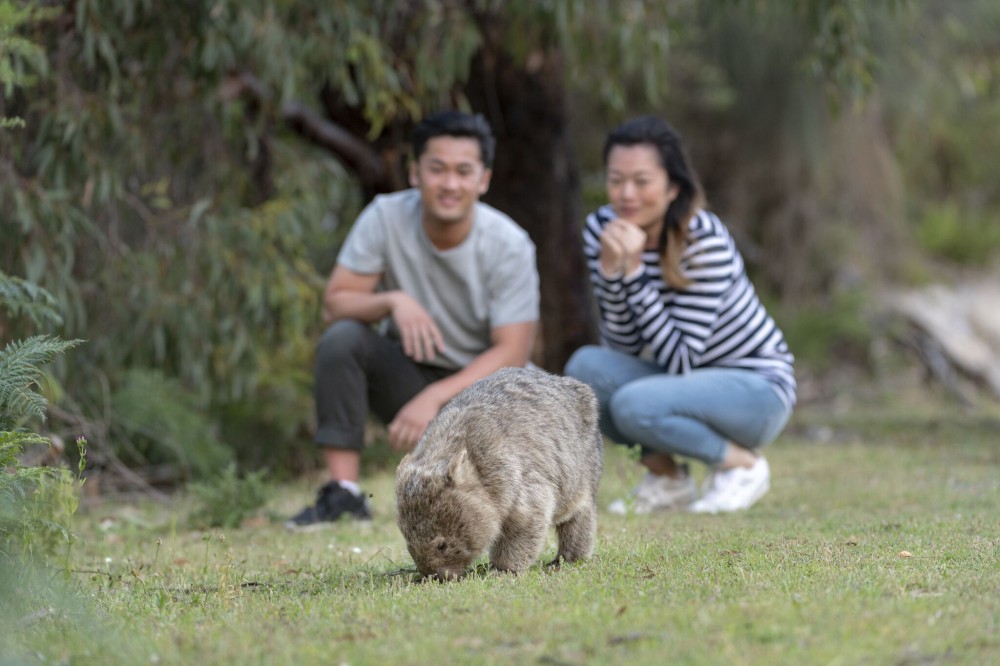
{"x":521,"y":541}
{"x":576,"y":535}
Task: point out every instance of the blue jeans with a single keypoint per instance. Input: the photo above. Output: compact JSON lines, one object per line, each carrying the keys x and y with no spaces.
{"x":692,"y":415}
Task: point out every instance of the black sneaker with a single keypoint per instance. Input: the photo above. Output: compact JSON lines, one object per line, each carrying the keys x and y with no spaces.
{"x":333,"y":501}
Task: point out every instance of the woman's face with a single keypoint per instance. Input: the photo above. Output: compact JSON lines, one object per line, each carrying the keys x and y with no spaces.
{"x":639,"y":188}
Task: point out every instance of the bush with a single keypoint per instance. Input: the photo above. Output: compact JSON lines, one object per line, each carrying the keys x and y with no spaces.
{"x":158,"y":422}
{"x":821,"y":336}
{"x":36,"y":503}
{"x":961,"y":236}
{"x":228,"y":499}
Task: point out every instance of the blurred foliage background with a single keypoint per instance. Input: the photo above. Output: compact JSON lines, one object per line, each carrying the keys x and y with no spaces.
{"x":179,"y":176}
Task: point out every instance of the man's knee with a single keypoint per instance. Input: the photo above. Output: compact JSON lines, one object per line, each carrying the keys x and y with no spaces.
{"x":344,"y":339}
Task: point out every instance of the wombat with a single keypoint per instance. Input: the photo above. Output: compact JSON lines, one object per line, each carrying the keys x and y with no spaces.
{"x":512,"y":454}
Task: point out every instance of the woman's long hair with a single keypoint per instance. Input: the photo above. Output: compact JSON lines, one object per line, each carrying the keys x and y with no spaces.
{"x":656,"y":132}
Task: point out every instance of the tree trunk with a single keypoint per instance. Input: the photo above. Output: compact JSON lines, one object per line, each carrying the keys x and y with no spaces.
{"x":536,"y":181}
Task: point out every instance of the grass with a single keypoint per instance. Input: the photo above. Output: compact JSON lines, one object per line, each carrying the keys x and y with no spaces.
{"x":878,"y":544}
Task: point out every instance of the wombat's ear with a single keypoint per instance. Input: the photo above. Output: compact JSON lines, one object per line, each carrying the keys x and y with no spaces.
{"x":461,"y":470}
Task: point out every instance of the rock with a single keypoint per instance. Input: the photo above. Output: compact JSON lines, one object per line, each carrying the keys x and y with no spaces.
{"x":964,"y":320}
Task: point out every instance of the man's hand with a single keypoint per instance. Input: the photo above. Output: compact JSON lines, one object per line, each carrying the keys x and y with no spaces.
{"x":411,"y":421}
{"x":421,"y":337}
{"x":622,"y":243}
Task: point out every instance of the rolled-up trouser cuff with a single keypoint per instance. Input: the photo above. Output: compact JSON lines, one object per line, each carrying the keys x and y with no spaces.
{"x":337,"y":437}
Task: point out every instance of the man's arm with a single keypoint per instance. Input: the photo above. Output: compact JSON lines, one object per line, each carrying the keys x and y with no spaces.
{"x":511,"y":345}
{"x":351,"y":295}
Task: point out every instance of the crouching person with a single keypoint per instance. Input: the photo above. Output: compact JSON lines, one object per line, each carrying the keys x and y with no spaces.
{"x":453,"y":284}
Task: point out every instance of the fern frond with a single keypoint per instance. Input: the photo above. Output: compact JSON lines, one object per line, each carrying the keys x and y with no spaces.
{"x":21,"y":297}
{"x":13,"y":442}
{"x":20,"y":372}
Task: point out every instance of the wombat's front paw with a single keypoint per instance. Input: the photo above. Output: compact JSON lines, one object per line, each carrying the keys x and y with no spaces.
{"x":513,"y":560}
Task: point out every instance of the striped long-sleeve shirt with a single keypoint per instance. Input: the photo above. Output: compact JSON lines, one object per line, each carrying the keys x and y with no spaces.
{"x":716,"y":321}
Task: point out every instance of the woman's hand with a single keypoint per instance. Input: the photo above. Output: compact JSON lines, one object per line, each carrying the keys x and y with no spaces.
{"x":622,"y":243}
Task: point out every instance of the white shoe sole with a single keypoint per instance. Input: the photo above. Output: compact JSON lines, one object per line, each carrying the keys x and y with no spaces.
{"x":618,"y":508}
{"x":701,"y":506}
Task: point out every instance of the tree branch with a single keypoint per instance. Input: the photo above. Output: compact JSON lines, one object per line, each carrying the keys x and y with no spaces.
{"x":356,"y":153}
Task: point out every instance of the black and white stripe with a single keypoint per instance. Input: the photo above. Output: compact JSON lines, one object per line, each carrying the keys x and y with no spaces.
{"x":716,"y":321}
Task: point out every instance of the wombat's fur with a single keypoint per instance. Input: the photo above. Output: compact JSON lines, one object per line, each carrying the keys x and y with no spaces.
{"x":507,"y":457}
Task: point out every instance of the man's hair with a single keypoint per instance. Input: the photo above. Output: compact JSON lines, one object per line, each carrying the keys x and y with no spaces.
{"x":455,"y":124}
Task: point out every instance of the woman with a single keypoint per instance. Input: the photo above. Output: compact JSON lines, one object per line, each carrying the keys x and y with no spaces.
{"x":692,"y":365}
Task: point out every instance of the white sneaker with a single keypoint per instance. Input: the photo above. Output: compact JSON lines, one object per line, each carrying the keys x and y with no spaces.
{"x":657,"y":493}
{"x":734,"y":489}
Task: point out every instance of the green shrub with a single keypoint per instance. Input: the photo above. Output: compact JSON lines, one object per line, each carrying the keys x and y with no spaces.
{"x":20,"y":298}
{"x":823,"y":335}
{"x":158,"y":422}
{"x":960,"y":235}
{"x":228,"y":499}
{"x":36,"y":503}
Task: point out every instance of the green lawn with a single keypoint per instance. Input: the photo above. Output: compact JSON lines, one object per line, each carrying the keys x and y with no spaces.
{"x":879,"y":543}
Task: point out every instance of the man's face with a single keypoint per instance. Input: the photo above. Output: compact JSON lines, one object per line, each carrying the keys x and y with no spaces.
{"x":451,"y":177}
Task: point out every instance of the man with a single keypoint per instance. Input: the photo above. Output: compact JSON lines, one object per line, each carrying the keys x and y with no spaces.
{"x":454,"y":284}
